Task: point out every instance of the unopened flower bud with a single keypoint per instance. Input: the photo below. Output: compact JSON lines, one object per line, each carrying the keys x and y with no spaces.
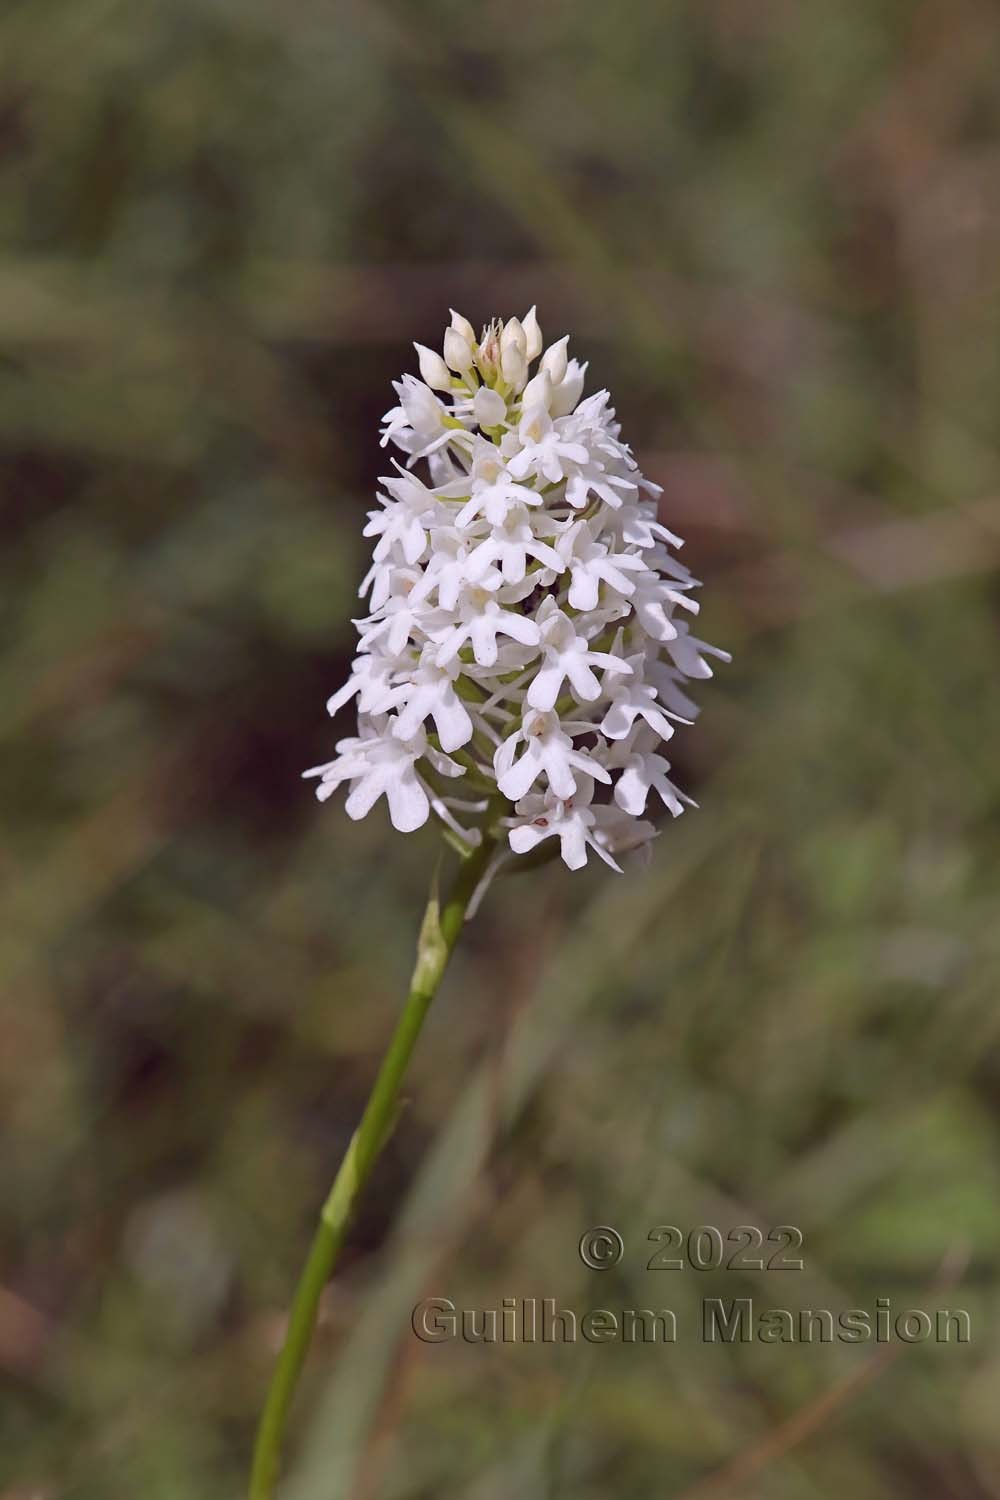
{"x":488,"y":353}
{"x":554,"y":360}
{"x":514,"y":366}
{"x":457,"y":351}
{"x":489,"y":408}
{"x":464,"y":327}
{"x":533,"y":335}
{"x":514,"y":337}
{"x":433,"y":369}
{"x":538,"y":391}
{"x":567,"y":393}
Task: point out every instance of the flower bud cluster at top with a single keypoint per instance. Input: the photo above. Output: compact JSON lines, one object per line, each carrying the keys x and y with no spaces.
{"x":527,"y":648}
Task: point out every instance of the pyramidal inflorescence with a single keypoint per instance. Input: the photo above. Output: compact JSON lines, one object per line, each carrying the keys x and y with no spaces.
{"x":526,"y":648}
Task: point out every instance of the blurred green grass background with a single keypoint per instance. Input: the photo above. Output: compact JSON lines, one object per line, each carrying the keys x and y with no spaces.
{"x":774,"y":230}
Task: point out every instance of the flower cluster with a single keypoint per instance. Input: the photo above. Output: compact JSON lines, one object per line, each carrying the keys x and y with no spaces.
{"x":525,"y":641}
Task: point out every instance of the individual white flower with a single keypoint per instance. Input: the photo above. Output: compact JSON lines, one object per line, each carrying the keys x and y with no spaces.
{"x":420,"y":423}
{"x":394,"y":621}
{"x":567,"y":656}
{"x":430,"y":693}
{"x":480,"y":620}
{"x":526,"y":629}
{"x":667,"y":680}
{"x":632,"y":699}
{"x":543,"y":452}
{"x":371,"y":682}
{"x":490,"y":487}
{"x":571,"y":821}
{"x":378,"y":764}
{"x":401,"y":528}
{"x":579,"y":825}
{"x":642,"y":772}
{"x":688,"y":653}
{"x":652,"y":601}
{"x":617,"y":832}
{"x":447,"y":574}
{"x":592,"y":563}
{"x":546,"y":749}
{"x":510,"y":544}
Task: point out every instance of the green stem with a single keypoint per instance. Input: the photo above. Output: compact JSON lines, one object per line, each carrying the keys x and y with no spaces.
{"x":438,"y":936}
